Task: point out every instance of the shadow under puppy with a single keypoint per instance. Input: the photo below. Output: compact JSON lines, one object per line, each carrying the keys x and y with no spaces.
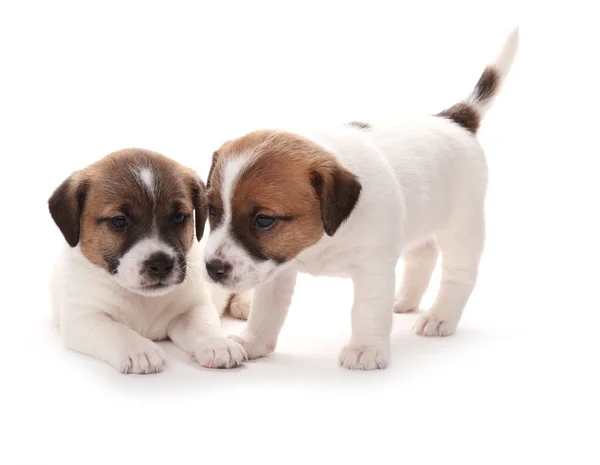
{"x":130,"y":274}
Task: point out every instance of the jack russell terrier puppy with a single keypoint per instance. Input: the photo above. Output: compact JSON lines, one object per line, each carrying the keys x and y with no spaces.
{"x":130,"y":274}
{"x":348,"y":202}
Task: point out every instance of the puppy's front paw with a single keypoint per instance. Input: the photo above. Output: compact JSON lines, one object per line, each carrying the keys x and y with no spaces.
{"x":431,"y":325}
{"x":239,"y":306}
{"x":369,"y":357}
{"x":219,"y":352}
{"x":142,"y":357}
{"x":403,"y":305}
{"x":255,"y":347}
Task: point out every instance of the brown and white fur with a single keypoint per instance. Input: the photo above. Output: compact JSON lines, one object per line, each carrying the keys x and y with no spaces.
{"x":129,"y":275}
{"x":350,"y":201}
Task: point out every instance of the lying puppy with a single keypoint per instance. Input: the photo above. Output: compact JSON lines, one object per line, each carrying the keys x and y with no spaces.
{"x":349,"y":202}
{"x":130,"y":275}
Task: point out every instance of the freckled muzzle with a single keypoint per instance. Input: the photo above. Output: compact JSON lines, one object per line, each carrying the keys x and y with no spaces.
{"x":151,"y":266}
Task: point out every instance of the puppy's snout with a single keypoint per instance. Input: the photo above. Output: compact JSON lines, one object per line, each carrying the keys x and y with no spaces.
{"x":218,"y":270}
{"x":160,"y":265}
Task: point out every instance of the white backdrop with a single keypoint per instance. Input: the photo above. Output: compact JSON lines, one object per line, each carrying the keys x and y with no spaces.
{"x":516,"y":384}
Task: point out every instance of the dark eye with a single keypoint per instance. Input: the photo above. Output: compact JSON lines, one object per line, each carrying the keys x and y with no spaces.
{"x":179,"y":218}
{"x":263,"y":222}
{"x":211,"y":211}
{"x":118,"y":223}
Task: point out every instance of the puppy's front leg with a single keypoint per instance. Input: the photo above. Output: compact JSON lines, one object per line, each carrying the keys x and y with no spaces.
{"x":270,"y":305}
{"x":198,"y":333}
{"x":369,"y":344}
{"x":96,"y":334}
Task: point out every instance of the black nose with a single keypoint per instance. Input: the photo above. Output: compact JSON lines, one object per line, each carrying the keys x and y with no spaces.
{"x":160,"y":265}
{"x":218,"y":270}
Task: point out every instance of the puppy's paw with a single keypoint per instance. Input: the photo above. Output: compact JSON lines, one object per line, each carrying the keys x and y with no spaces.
{"x":431,"y":325}
{"x":254,"y":346}
{"x":356,"y":357}
{"x":239,"y":306}
{"x":142,"y":357}
{"x":402,"y":305}
{"x":219,"y":352}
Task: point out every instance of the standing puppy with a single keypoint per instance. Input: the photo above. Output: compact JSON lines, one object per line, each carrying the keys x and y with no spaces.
{"x":130,"y":275}
{"x":349,"y":202}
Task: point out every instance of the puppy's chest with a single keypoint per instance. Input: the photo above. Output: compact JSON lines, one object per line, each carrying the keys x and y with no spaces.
{"x":149,"y":317}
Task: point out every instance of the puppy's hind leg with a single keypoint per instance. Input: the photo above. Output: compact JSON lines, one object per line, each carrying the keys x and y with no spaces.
{"x":419,"y":263}
{"x":461,"y":245}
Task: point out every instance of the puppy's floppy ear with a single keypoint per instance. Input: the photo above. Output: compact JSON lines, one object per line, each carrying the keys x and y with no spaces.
{"x":215,"y":155}
{"x":200,"y":207}
{"x":66,"y":206}
{"x":338,"y":191}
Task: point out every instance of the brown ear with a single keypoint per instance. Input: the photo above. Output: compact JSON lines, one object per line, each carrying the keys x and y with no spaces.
{"x":212,"y":167}
{"x":200,"y":207}
{"x":338,"y":191}
{"x":66,"y":206}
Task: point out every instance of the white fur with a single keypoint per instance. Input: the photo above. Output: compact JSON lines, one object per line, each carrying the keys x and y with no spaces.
{"x":99,"y":317}
{"x":146,"y":178}
{"x":129,"y":272}
{"x":423,"y":188}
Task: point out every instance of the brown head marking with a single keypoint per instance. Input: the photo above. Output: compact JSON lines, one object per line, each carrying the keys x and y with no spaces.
{"x":287,"y":177}
{"x":84,"y":205}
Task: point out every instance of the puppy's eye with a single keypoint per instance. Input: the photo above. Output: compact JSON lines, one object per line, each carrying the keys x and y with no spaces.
{"x":179,"y":218}
{"x":211,"y":211}
{"x":263,"y":222}
{"x":118,"y":223}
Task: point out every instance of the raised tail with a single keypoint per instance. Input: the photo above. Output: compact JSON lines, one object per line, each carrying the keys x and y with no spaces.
{"x":471,"y":110}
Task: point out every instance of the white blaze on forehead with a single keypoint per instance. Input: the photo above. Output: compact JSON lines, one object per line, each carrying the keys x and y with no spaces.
{"x":145,"y":176}
{"x":230,"y":174}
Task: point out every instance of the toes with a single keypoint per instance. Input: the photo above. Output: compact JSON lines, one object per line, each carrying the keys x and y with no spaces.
{"x":143,"y":359}
{"x":363,"y":358}
{"x":220,"y":353}
{"x":142,"y":363}
{"x":126,"y":366}
{"x":403,"y":306}
{"x":431,"y":325}
{"x":253,"y":347}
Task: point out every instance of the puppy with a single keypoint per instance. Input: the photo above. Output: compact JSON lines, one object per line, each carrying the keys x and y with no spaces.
{"x":130,"y":274}
{"x":349,"y":202}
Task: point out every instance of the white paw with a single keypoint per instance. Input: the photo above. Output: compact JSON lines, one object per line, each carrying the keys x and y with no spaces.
{"x":142,"y":357}
{"x":364,"y":357}
{"x":255,"y":347}
{"x":219,"y":352}
{"x":430,"y":325}
{"x":402,"y":305}
{"x":239,"y":307}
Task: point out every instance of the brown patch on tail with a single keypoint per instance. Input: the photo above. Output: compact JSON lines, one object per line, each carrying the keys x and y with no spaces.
{"x":464,"y":115}
{"x":487,"y":85}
